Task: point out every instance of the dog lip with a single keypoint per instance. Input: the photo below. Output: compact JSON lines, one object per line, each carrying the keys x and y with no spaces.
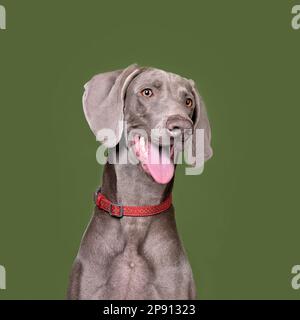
{"x":158,"y":142}
{"x":147,"y":151}
{"x":171,"y":145}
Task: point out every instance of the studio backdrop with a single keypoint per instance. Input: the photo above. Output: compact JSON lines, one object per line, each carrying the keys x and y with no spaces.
{"x":239,"y":220}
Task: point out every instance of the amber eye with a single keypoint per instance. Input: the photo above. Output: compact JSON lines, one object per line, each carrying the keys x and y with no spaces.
{"x":188,"y":102}
{"x":147,"y":93}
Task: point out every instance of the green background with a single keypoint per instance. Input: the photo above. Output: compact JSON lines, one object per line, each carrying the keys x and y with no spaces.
{"x":239,"y":220}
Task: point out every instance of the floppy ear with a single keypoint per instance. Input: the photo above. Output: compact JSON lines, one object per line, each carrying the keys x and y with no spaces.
{"x":103,"y":101}
{"x":200,"y":120}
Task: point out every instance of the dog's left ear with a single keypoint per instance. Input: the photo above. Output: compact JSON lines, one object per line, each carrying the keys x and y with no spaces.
{"x":200,"y":120}
{"x":103,"y":103}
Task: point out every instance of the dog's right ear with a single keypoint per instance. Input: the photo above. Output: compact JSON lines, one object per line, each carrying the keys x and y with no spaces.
{"x":103,"y":101}
{"x":201,"y":121}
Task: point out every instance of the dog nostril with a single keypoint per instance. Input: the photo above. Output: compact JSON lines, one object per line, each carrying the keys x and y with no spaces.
{"x":175,"y":131}
{"x":177,"y":125}
{"x":173,"y":127}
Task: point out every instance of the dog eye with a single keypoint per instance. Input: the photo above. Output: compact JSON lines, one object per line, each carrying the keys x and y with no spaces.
{"x":147,"y":93}
{"x":188,"y":102}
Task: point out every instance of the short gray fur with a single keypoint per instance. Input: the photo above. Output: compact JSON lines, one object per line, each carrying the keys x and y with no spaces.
{"x":136,"y":257}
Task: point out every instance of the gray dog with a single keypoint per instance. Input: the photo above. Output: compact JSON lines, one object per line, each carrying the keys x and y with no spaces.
{"x":139,"y":256}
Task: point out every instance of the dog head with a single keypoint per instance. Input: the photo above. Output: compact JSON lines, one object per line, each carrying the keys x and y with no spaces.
{"x":159,"y":108}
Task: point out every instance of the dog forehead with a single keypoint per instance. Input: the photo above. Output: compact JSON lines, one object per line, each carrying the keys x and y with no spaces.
{"x":158,"y":77}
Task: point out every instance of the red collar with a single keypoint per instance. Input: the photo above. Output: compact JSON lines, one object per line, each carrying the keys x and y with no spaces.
{"x":116,"y":210}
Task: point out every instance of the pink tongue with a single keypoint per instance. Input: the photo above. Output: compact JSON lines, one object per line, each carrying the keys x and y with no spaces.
{"x":161,"y":170}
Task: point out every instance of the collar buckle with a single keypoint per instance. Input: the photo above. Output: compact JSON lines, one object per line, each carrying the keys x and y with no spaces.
{"x":121,"y":210}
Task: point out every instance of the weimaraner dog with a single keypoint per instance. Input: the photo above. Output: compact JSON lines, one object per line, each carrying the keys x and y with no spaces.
{"x":138,"y":256}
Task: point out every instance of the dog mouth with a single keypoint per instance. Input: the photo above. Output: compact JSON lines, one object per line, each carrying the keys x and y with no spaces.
{"x":157,"y":160}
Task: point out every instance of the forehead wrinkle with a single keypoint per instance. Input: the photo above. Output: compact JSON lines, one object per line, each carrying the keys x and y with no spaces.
{"x":157,"y":83}
{"x":183,"y":92}
{"x":178,"y":87}
{"x":150,"y":78}
{"x":170,"y":83}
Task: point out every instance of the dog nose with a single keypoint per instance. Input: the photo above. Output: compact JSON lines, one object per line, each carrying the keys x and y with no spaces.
{"x":177,"y":124}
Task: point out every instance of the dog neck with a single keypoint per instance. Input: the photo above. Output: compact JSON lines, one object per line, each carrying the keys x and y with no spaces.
{"x":129,"y":185}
